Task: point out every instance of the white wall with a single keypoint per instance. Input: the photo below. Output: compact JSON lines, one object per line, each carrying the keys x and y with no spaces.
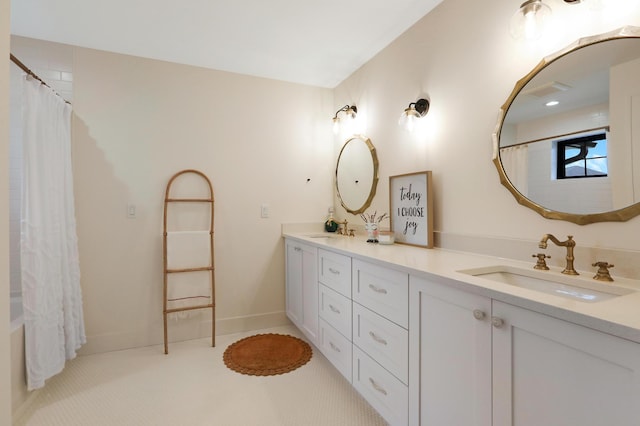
{"x":5,"y":376}
{"x":136,"y":123}
{"x":462,"y":57}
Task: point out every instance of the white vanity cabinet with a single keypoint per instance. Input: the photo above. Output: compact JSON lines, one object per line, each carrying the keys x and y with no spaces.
{"x":552,"y":372}
{"x":477,"y":361}
{"x":334,"y":289}
{"x":381,"y":339}
{"x":302,"y":287}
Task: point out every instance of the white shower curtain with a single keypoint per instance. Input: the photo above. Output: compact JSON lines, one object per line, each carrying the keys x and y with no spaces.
{"x":53,"y":315}
{"x":515,"y":161}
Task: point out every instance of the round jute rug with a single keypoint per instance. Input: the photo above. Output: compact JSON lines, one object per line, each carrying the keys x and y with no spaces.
{"x":267,"y":354}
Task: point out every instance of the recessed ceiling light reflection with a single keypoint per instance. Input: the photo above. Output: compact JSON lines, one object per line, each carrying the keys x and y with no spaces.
{"x":552,"y":103}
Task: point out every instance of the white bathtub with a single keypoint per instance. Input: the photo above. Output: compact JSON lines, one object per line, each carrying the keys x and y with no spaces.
{"x":18,"y":383}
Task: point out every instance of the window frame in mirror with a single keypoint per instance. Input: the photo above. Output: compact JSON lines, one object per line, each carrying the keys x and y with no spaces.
{"x":374,"y":183}
{"x":620,"y":215}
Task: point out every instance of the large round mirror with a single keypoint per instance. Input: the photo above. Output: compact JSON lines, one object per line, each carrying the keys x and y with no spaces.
{"x":357,"y":174}
{"x":567,"y":144}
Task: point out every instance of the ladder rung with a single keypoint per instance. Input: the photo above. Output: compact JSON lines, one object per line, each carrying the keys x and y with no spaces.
{"x":189,"y":200}
{"x":189,"y":308}
{"x":205,"y":268}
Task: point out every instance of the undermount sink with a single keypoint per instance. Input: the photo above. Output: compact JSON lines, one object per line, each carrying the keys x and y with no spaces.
{"x":570,"y":287}
{"x":325,"y":235}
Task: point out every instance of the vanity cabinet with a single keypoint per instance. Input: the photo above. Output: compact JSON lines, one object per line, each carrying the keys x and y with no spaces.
{"x":381,"y":339}
{"x":335,"y":307}
{"x":302,"y":287}
{"x":477,"y":361}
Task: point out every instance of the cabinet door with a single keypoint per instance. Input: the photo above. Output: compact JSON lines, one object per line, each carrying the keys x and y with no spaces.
{"x":302,"y":288}
{"x":449,"y":355}
{"x":552,"y":372}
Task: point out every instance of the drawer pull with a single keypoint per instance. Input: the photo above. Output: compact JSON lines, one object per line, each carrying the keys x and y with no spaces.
{"x":334,"y":347}
{"x":378,"y":289}
{"x":377,"y":387}
{"x":334,"y":309}
{"x":334,"y":271}
{"x":378,"y":339}
{"x":297,"y":249}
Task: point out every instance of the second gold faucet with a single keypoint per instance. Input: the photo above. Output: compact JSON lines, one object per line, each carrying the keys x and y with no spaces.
{"x":569,"y":244}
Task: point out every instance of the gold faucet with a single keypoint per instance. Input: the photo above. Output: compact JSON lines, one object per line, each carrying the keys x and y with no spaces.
{"x":343,"y":230}
{"x":569,"y":244}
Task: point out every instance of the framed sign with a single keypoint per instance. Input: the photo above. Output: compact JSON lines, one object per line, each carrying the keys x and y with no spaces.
{"x":411,"y":209}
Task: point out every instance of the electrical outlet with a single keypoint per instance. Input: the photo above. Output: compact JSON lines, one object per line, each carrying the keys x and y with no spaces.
{"x":264,"y":211}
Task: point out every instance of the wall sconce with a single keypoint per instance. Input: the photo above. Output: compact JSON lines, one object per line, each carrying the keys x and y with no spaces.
{"x":415,"y":111}
{"x":350,"y":112}
{"x":531,"y":19}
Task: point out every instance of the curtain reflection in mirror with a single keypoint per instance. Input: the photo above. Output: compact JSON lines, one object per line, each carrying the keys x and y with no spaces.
{"x":515,"y":160}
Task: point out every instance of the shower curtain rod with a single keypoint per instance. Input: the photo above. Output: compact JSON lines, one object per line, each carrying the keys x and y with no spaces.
{"x":26,"y":69}
{"x":606,"y":128}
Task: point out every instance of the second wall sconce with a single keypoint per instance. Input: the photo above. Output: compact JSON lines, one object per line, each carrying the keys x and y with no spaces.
{"x":412,"y":113}
{"x":531,"y":19}
{"x":350,"y":112}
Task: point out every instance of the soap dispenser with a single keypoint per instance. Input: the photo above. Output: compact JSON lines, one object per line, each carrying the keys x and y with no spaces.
{"x":331,"y":225}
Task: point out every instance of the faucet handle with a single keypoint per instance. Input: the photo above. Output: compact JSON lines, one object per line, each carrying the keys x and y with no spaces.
{"x":603,"y":271}
{"x":540,"y":263}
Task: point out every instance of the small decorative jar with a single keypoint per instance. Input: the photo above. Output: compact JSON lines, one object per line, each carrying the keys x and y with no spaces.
{"x":386,"y":237}
{"x":372,"y":232}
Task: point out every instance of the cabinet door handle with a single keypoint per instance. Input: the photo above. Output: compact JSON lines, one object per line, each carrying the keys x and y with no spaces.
{"x":378,"y":289}
{"x":334,"y":347}
{"x":377,"y":338}
{"x":297,"y":249}
{"x":377,"y":387}
{"x":478,"y":314}
{"x":334,"y":271}
{"x":334,"y":309}
{"x":497,"y":322}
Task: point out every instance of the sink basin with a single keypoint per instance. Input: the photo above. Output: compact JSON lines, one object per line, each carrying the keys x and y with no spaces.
{"x":319,"y":236}
{"x":570,"y":287}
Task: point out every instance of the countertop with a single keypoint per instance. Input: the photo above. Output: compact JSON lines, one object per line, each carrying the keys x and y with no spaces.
{"x":619,"y":316}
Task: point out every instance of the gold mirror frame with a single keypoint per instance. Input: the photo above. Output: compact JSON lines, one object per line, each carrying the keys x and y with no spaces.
{"x":620,"y":215}
{"x":374,"y":183}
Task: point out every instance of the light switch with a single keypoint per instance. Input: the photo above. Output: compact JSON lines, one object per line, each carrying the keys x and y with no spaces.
{"x":264,"y":211}
{"x":131,"y":211}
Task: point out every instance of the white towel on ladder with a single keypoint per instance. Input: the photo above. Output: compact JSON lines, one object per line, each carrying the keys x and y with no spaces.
{"x":185,"y":250}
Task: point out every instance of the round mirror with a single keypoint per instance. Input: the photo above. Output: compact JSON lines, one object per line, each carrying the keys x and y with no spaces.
{"x":567,"y":143}
{"x":357,"y":174}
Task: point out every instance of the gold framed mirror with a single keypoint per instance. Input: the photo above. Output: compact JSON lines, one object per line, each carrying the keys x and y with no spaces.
{"x":357,"y":174}
{"x":597,"y":84}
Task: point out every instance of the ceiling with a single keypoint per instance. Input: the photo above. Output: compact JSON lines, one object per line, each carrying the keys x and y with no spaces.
{"x":318,"y":43}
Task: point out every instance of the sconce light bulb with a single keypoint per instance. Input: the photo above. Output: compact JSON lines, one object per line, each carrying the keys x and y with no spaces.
{"x":336,"y":125}
{"x":530,"y":20}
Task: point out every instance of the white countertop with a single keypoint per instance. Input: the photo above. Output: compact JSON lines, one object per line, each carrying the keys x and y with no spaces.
{"x":619,"y":316}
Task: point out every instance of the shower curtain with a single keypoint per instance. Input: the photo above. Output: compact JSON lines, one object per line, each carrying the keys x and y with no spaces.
{"x":515,"y":161}
{"x":53,"y":315}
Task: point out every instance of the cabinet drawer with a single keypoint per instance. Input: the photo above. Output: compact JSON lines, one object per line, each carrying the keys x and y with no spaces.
{"x":336,"y":310}
{"x":335,"y":271}
{"x":382,"y":290}
{"x":384,"y":341}
{"x":336,"y":348}
{"x":382,"y":390}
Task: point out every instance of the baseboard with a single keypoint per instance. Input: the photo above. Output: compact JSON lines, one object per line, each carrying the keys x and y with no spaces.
{"x":196,"y":327}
